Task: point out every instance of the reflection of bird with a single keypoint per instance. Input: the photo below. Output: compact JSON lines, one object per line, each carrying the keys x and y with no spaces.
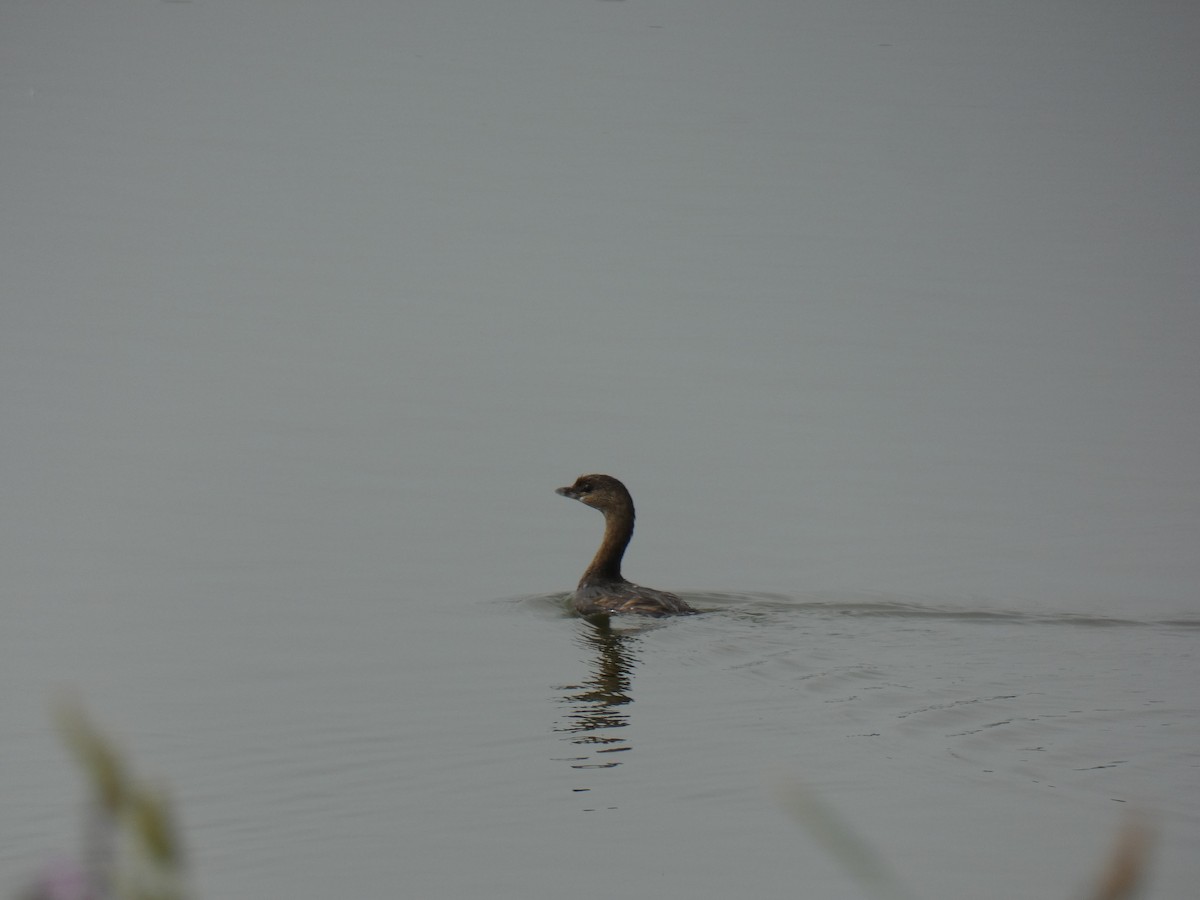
{"x":602,"y":589}
{"x":596,"y":703}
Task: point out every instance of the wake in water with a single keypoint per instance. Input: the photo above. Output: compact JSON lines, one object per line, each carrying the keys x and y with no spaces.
{"x":752,"y":605}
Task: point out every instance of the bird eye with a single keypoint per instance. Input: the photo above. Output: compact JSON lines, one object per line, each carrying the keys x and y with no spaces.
{"x":586,"y":487}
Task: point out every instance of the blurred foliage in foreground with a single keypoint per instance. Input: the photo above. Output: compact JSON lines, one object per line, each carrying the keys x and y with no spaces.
{"x":1122,"y":878}
{"x":131,"y":846}
{"x":132,"y":849}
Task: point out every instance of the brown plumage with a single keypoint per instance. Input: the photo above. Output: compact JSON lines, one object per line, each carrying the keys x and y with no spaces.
{"x":602,"y":589}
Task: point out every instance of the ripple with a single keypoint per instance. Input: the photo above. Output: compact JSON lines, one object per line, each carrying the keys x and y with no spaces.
{"x":766,"y":606}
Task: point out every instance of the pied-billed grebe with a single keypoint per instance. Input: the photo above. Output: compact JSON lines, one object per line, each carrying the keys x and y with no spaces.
{"x":602,"y":589}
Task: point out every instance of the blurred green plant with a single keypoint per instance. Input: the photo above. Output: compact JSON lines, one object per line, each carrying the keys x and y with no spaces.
{"x":841,"y":841}
{"x":132,"y":848}
{"x":1123,"y":876}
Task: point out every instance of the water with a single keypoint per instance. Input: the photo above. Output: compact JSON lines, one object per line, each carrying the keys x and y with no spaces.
{"x":888,"y":323}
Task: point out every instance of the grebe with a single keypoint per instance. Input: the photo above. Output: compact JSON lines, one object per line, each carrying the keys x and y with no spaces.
{"x":602,"y":589}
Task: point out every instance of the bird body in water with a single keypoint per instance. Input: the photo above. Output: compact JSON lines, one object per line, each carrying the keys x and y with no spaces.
{"x":602,"y":589}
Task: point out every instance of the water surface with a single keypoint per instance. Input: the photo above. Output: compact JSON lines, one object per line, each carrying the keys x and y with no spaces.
{"x":889,"y":323}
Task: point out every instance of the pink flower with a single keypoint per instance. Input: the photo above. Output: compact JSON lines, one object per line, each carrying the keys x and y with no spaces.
{"x":62,"y":879}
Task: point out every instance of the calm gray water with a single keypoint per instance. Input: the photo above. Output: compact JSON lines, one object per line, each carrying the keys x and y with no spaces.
{"x":887,"y":317}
